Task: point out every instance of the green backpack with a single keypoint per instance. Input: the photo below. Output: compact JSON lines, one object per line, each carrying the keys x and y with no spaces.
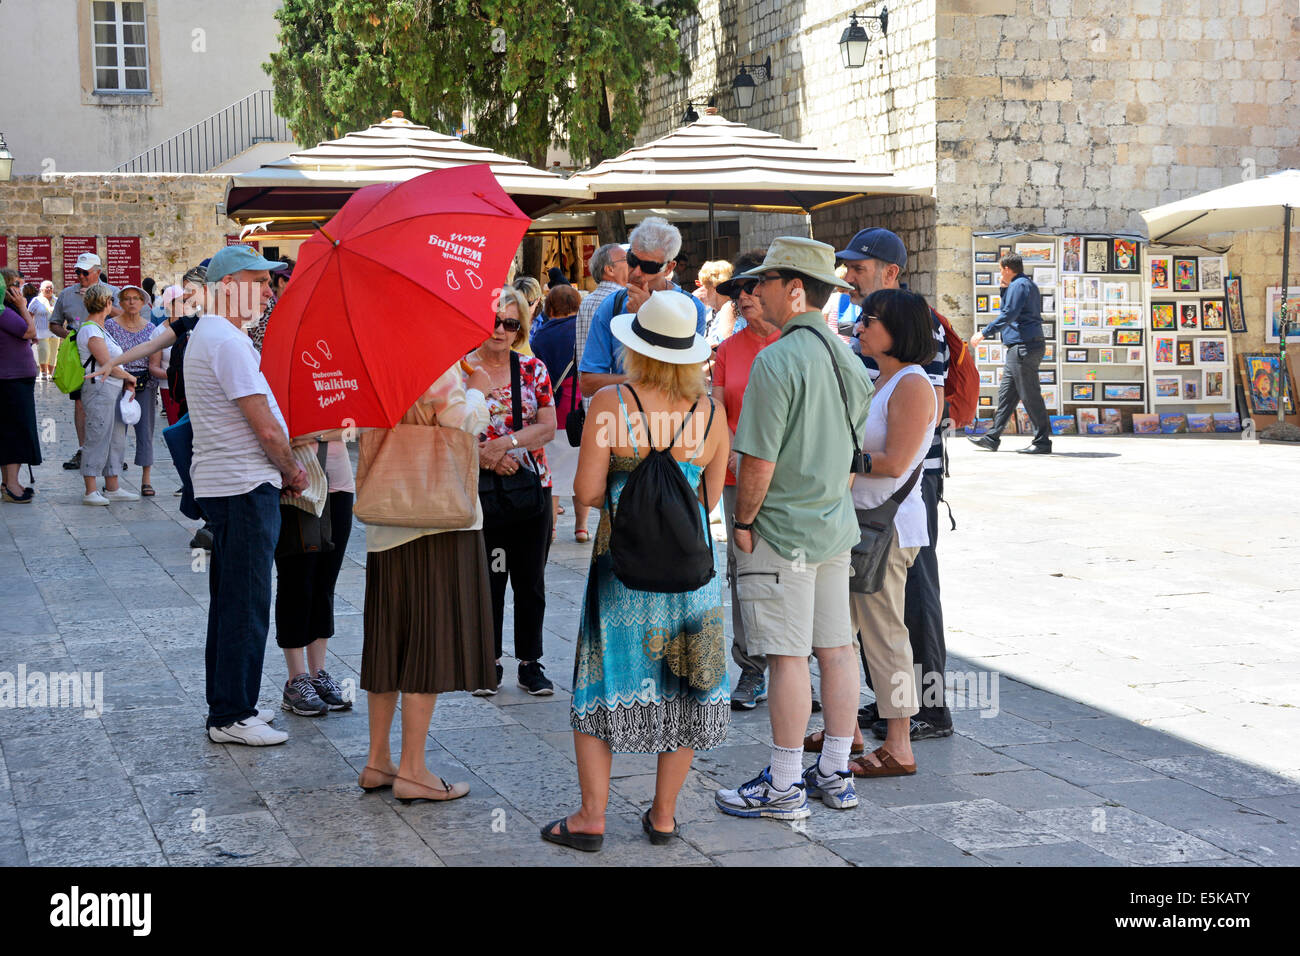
{"x":69,"y":372}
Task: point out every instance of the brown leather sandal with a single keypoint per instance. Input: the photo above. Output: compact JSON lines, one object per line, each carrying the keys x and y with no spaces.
{"x":813,"y":743}
{"x":372,"y":778}
{"x":889,"y":767}
{"x":447,"y":791}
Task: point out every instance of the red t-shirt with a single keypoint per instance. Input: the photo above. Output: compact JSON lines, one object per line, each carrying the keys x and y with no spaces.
{"x":731,"y":364}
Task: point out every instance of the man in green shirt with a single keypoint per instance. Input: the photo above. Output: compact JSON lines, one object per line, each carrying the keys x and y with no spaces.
{"x":804,"y":415}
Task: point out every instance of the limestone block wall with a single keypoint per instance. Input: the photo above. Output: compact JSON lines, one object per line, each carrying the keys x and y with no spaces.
{"x":174,"y":215}
{"x":1074,"y":115}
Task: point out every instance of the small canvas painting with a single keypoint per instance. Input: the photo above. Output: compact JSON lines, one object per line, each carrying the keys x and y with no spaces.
{"x":1167,"y":386}
{"x":1213,"y":317}
{"x":1185,"y":274}
{"x":1212,"y":351}
{"x":1164,"y":350}
{"x":1199,"y":423}
{"x":1111,"y":415}
{"x":1173,"y":423}
{"x":1211,"y":273}
{"x":1086,"y":417}
{"x":1071,"y":253}
{"x":1146,"y":424}
{"x":1226,"y":421}
{"x":1158,"y":274}
{"x":1189,"y":315}
{"x":1035,"y":252}
{"x":1213,"y":386}
{"x":1063,"y":424}
{"x":1162,"y":316}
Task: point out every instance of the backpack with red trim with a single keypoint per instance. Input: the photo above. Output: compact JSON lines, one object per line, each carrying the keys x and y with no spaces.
{"x":962,"y":389}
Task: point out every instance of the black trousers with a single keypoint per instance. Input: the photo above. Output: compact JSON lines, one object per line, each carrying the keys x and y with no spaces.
{"x":304,"y":596}
{"x":518,"y":553}
{"x":923,"y":613}
{"x":1020,"y":383}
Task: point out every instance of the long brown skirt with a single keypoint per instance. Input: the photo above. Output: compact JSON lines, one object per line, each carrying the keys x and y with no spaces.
{"x":428,"y":617}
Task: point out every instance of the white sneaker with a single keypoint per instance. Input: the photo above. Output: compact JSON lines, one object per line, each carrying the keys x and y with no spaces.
{"x":254,"y":732}
{"x":265,"y":714}
{"x":121,"y":495}
{"x":94,"y":498}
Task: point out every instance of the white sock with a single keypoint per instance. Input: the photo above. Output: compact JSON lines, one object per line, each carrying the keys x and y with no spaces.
{"x":835,"y":755}
{"x":787,"y":766}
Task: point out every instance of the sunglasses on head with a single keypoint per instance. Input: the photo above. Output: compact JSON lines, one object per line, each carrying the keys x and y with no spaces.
{"x":510,"y":325}
{"x":647,"y":266}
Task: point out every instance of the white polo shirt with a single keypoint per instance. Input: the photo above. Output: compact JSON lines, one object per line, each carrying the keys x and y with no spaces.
{"x":221,"y":365}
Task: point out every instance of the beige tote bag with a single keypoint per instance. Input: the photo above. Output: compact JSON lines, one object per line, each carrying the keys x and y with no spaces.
{"x":417,"y":475}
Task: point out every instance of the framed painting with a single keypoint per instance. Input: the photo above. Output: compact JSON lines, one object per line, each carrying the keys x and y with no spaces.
{"x":1069,"y":315}
{"x":1233,"y":302}
{"x":1086,"y":417}
{"x":1115,"y":292}
{"x":1105,"y":356}
{"x":1095,"y":337}
{"x":1128,"y":336}
{"x":1211,"y":351}
{"x":986,"y":255}
{"x":1051,"y":395}
{"x":1213,"y":385}
{"x":1003,"y":252}
{"x":1111,"y":416}
{"x":1078,"y":356}
{"x":1049,"y":330}
{"x":1090,"y":289}
{"x":1189,"y":315}
{"x":1211,"y":268}
{"x":1167,"y":386}
{"x":986,"y":378}
{"x":1192,"y":389}
{"x":1164,"y":346}
{"x":1158,"y":274}
{"x":1047,"y":376}
{"x":1186,"y":276}
{"x":1069,"y":288}
{"x":1163,"y":316}
{"x":1134,"y":356}
{"x":1044,"y":276}
{"x":986,"y":401}
{"x":984,"y":278}
{"x":1049,"y":352}
{"x":1048,"y":303}
{"x":1072,"y":337}
{"x":1186,"y":352}
{"x":995,"y":303}
{"x":1072,"y":254}
{"x":1090,"y":319}
{"x":997,"y":354}
{"x":1122,"y":391}
{"x":1213,"y":316}
{"x":1262,"y":380}
{"x":1096,"y":255}
{"x":1123,"y":317}
{"x":982,"y":354}
{"x":1083,"y":391}
{"x":1273,"y":310}
{"x":1032,"y":252}
{"x":1124,"y":255}
{"x":981,"y":303}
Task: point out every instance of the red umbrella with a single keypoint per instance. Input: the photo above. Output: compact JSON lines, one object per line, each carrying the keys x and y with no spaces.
{"x":387,"y":296}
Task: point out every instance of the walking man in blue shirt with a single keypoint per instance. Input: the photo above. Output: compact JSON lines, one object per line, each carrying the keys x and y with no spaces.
{"x":1021,"y":325}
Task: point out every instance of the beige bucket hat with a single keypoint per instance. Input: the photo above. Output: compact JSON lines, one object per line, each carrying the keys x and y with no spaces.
{"x":808,"y":257}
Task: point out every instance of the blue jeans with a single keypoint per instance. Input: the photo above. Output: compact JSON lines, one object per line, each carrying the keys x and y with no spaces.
{"x":245,"y":529}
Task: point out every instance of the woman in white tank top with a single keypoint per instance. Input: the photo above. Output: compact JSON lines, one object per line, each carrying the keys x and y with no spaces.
{"x":897,"y":332}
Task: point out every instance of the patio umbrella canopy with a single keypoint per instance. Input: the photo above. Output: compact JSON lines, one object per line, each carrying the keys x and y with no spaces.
{"x":315,"y":183}
{"x":732,"y":166}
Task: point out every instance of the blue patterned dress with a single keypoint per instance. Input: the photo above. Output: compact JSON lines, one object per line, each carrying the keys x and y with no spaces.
{"x":650,"y":674}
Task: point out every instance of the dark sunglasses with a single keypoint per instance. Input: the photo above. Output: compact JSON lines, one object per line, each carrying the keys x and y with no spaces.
{"x":747,"y":287}
{"x":510,"y":325}
{"x":81,"y":272}
{"x":647,"y":266}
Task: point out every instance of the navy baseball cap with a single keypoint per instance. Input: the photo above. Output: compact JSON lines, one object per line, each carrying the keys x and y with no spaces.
{"x":875,"y":244}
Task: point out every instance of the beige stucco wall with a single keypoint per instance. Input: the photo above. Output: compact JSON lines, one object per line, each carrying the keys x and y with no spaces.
{"x":50,"y":125}
{"x":174,"y":216}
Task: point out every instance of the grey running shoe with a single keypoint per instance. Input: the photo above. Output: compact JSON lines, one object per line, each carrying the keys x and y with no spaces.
{"x":328,"y":689}
{"x":301,"y":698}
{"x":750,"y":689}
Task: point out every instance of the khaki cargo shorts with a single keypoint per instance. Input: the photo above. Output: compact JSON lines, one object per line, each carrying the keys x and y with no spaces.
{"x":790,"y":607}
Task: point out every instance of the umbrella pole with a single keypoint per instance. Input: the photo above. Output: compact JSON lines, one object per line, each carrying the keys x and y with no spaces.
{"x":712,"y":229}
{"x":1283,"y":320}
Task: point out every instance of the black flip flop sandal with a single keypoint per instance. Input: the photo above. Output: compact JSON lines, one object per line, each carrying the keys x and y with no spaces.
{"x":586,"y":842}
{"x":659,"y":837}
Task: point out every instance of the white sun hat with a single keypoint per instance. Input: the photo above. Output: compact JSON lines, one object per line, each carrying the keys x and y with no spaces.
{"x":130,"y":409}
{"x":664,"y":329}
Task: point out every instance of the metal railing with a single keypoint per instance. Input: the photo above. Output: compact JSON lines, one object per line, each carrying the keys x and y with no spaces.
{"x":215,"y":140}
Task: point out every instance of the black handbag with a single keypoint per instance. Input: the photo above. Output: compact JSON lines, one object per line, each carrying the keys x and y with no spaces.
{"x":576,"y":420}
{"x":302,"y":532}
{"x":509,"y":499}
{"x":869,"y":556}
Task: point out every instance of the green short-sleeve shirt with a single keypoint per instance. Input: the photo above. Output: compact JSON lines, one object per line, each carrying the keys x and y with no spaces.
{"x":793,"y":416}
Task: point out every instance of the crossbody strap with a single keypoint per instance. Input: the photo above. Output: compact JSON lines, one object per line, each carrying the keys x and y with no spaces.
{"x":901,"y":494}
{"x":844,"y":395}
{"x":516,"y":399}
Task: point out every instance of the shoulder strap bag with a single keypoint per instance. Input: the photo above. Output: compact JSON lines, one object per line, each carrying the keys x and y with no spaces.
{"x":302,"y":530}
{"x":855,"y":463}
{"x":418,"y":474}
{"x":509,"y":499}
{"x":871,"y":554}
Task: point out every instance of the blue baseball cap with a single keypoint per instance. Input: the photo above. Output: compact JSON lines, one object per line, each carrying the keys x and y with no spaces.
{"x":238,"y":258}
{"x":875,"y":244}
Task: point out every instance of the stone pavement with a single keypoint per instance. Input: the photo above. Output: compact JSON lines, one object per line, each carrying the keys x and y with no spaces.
{"x":1122,"y":619}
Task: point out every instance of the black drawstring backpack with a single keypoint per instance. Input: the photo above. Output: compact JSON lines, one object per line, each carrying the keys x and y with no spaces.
{"x":659,"y":540}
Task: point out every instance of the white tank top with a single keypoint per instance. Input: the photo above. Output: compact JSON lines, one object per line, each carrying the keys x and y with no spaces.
{"x":869,"y":491}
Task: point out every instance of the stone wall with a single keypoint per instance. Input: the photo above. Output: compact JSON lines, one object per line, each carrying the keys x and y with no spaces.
{"x":174,"y":216}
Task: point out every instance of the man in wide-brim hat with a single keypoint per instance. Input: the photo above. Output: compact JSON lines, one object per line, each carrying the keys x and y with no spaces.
{"x":794,"y":524}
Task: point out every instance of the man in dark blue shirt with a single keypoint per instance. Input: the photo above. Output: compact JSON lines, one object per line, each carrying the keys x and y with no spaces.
{"x":1021,"y":324}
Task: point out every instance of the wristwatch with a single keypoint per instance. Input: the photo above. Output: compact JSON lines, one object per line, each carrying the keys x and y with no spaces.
{"x":738,"y":525}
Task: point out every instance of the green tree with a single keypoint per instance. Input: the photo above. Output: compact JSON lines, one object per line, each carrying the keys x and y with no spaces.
{"x":570,"y":74}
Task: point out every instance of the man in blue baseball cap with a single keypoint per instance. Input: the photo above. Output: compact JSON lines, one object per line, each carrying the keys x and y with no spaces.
{"x":242,"y":460}
{"x":874,"y":260}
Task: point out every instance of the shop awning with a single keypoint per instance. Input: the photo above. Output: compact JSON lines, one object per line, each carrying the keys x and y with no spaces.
{"x":1249,"y":204}
{"x":313,"y":184}
{"x":733,"y":166}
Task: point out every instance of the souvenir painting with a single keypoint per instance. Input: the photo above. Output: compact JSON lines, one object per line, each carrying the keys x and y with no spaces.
{"x":1211,"y":268}
{"x":1189,"y":315}
{"x":986,"y":256}
{"x":1069,"y":315}
{"x":1086,"y":417}
{"x":1048,"y":303}
{"x":1049,"y":352}
{"x":1003,"y":252}
{"x":1274,"y":313}
{"x":995,"y":303}
{"x":986,"y":378}
{"x":1123,"y":317}
{"x":1115,"y":291}
{"x":1167,"y":386}
{"x":1069,"y":288}
{"x":1173,"y":423}
{"x":1083,"y":391}
{"x":1072,"y":337}
{"x":1185,"y":274}
{"x":1105,"y":356}
{"x":1047,"y":376}
{"x":1044,"y":276}
{"x":1049,"y":330}
{"x":1051,"y":395}
{"x":1164,"y":350}
{"x":1121,"y":391}
{"x":1096,"y":255}
{"x":1226,"y":421}
{"x":1090,"y":289}
{"x":986,"y":401}
{"x":1199,"y":423}
{"x":1076,"y":355}
{"x":1162,"y":316}
{"x":1090,"y":319}
{"x":1191,"y":389}
{"x":1213,"y":385}
{"x":1124,"y":255}
{"x":1212,"y":351}
{"x":1158,"y":273}
{"x":1186,"y":352}
{"x":981,"y":303}
{"x":1134,"y":356}
{"x":1128,"y":336}
{"x":984,"y":278}
{"x":1095,"y":337}
{"x":1111,"y":416}
{"x":1063,"y":424}
{"x":1232,"y":299}
{"x":1035,"y":252}
{"x":1071,"y":253}
{"x":1263,"y":382}
{"x":1213,"y":318}
{"x":1146,"y":424}
{"x":982,"y":354}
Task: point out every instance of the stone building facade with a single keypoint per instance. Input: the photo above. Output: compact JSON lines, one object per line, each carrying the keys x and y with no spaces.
{"x":175,"y":216}
{"x":1046,"y":115}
